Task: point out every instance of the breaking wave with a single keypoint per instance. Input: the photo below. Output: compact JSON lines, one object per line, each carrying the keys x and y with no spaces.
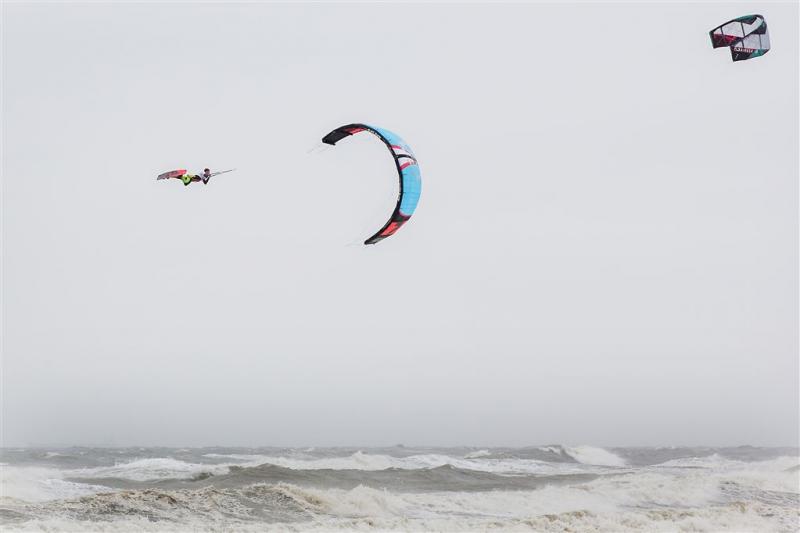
{"x":289,"y":507}
{"x":548,"y":488}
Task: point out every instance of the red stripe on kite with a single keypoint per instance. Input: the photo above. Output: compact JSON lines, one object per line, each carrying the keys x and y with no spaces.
{"x":390,"y":229}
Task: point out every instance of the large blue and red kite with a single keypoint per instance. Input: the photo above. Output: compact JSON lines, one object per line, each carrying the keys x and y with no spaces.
{"x":407,"y":170}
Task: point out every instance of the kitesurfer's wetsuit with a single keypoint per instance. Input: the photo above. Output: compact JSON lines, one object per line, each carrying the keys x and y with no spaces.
{"x":188,"y":178}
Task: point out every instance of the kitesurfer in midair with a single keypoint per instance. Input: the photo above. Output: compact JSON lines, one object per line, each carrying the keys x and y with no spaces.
{"x":204,"y":177}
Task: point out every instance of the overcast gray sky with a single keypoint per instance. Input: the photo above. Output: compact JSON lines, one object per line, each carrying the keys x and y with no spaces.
{"x":605,"y":251}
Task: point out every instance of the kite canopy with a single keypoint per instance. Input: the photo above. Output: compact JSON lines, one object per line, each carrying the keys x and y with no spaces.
{"x":171,"y":174}
{"x":746,"y":36}
{"x":407,"y":170}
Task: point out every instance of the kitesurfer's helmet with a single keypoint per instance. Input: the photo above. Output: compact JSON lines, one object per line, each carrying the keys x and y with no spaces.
{"x":206,"y":170}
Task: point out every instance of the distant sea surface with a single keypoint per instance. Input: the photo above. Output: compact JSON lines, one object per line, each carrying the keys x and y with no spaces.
{"x":542,"y":488}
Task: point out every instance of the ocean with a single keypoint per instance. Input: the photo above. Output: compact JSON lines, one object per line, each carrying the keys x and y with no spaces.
{"x":400,"y":488}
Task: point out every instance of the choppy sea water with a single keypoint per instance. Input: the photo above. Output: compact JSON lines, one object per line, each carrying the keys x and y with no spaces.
{"x":544,"y":488}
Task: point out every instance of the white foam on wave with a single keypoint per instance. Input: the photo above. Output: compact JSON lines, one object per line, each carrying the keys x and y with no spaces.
{"x":478,"y":454}
{"x":238,"y":457}
{"x":39,"y":484}
{"x":716,"y":461}
{"x":780,"y":474}
{"x":589,"y":455}
{"x":603,"y":495}
{"x":648,"y":499}
{"x":722,"y":518}
{"x":558,"y":450}
{"x":710,"y":461}
{"x":356,"y":461}
{"x":596,"y":506}
{"x":369,"y":462}
{"x":149,"y":469}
